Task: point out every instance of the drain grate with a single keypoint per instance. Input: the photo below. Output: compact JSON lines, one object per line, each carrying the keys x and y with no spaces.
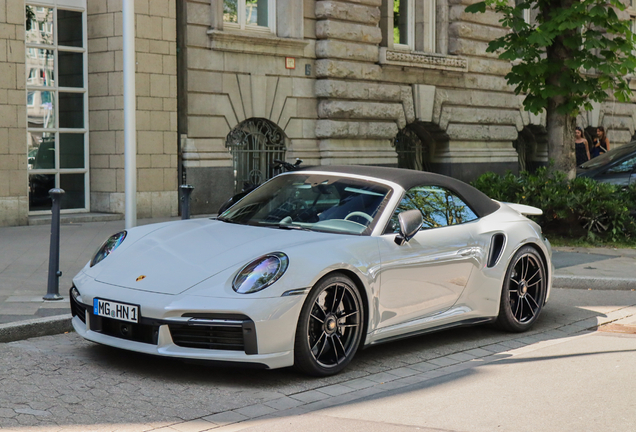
{"x":618,"y":328}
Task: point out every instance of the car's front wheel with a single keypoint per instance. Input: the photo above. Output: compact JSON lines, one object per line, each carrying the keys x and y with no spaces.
{"x":329,"y":327}
{"x":523,"y":292}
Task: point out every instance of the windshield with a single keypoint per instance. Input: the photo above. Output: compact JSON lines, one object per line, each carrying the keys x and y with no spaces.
{"x":317,"y":202}
{"x":608,"y":157}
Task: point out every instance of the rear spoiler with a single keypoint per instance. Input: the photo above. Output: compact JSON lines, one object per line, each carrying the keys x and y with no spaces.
{"x":525,"y":210}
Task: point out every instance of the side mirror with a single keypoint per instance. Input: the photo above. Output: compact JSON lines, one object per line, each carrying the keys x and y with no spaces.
{"x":410,"y":223}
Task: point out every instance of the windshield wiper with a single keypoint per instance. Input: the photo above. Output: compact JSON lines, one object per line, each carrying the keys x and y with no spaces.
{"x":293,"y":227}
{"x":222,"y":219}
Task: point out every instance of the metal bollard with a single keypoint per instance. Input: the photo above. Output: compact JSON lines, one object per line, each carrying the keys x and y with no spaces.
{"x":53,"y":287}
{"x":186,"y":190}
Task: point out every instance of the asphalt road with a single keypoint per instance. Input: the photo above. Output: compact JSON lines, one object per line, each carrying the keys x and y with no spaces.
{"x":65,"y":383}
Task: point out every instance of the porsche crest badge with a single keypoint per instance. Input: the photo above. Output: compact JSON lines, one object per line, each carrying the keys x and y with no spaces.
{"x":142,"y":277}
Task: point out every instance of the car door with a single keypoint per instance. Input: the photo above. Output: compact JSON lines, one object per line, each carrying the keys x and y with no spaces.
{"x":622,"y":173}
{"x":426,"y":275}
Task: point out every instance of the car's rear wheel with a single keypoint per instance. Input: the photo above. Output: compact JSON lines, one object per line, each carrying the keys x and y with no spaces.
{"x":523,"y":292}
{"x":329,"y":327}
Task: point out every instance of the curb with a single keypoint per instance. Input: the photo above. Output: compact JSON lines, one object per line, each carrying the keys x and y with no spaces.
{"x":35,"y":327}
{"x":595,"y":283}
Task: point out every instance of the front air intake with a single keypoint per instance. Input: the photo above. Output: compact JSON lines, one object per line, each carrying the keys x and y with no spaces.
{"x":496,"y":248}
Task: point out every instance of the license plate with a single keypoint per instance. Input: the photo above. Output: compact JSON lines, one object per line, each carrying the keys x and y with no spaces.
{"x":115,"y":310}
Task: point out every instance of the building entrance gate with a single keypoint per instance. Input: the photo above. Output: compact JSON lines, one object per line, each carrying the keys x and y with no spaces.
{"x":411,"y":151}
{"x":255,"y":144}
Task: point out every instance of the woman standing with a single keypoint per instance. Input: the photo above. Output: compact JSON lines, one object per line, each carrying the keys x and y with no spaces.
{"x":582,"y":149}
{"x":601,"y":143}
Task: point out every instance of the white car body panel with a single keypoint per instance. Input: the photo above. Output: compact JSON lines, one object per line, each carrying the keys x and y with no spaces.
{"x":415,"y":284}
{"x":437,"y":279}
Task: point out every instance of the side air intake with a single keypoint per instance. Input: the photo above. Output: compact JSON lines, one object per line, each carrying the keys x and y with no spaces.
{"x":496,"y":248}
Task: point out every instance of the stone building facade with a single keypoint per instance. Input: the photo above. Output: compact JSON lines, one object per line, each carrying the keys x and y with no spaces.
{"x":61,"y":107}
{"x":224,"y":87}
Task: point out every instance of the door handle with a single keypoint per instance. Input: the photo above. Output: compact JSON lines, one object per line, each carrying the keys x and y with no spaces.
{"x":466,"y":251}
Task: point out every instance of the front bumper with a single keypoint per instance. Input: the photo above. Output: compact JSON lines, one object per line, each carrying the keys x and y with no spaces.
{"x":265,"y":338}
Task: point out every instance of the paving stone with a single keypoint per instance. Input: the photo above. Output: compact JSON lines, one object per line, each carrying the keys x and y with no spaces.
{"x":478,"y":352}
{"x":226,"y":418}
{"x":382,"y":377}
{"x":198,"y":425}
{"x":32,"y":412}
{"x":255,"y":410}
{"x":359,"y":383}
{"x":462,"y":357}
{"x":310,"y":396}
{"x":495,"y":348}
{"x":335,"y":390}
{"x":403,"y":371}
{"x":413,"y":379}
{"x":392,"y":385}
{"x":513,"y":344}
{"x":443,"y":361}
{"x":424,"y":366}
{"x":7,"y":413}
{"x":283,"y":403}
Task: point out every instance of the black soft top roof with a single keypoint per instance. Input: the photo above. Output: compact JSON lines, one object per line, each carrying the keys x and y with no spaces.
{"x":480,"y":203}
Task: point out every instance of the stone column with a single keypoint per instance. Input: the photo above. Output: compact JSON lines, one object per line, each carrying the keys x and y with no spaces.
{"x":156,"y":88}
{"x":357,"y":117}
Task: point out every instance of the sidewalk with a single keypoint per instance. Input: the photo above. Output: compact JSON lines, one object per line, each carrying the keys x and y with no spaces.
{"x":24,"y":271}
{"x":24,"y":261}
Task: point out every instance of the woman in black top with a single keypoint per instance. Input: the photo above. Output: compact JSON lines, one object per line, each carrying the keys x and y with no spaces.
{"x":601,"y":143}
{"x":581,"y":147}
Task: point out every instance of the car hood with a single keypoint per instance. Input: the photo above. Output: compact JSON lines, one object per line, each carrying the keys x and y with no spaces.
{"x":582,"y":172}
{"x":179,"y":255}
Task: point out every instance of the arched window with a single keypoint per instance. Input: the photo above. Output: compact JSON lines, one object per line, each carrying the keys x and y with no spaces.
{"x":254,"y":144}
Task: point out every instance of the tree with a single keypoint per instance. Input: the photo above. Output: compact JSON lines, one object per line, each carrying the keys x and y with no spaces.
{"x":576,"y":51}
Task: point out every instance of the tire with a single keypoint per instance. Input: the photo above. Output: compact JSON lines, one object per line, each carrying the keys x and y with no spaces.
{"x":330,"y":327}
{"x":523,"y":292}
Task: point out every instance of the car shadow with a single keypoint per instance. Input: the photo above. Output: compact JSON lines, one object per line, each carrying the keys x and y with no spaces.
{"x":562,"y":311}
{"x":109,"y":385}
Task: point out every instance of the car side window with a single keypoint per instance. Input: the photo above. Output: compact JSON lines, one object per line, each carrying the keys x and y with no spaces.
{"x":439,"y":206}
{"x":623,"y":167}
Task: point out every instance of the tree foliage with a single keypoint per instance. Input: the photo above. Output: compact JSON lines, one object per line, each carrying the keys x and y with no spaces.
{"x":596,"y":51}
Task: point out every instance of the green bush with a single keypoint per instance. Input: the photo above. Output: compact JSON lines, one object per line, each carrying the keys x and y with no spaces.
{"x":578,"y":208}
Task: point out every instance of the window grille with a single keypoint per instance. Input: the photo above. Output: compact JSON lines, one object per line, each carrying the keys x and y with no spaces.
{"x":254,"y":145}
{"x":412,"y":152}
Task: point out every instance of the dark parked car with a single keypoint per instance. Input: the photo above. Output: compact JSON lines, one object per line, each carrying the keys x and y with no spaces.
{"x":617,"y":166}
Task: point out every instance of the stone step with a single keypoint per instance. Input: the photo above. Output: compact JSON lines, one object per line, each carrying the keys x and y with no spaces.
{"x":67,"y":218}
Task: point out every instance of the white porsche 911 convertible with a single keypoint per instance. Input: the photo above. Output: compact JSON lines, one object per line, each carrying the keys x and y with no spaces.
{"x":314,"y":265}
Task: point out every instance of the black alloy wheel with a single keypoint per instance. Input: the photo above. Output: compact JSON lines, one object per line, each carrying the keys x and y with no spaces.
{"x":523,"y":292}
{"x":329,"y":327}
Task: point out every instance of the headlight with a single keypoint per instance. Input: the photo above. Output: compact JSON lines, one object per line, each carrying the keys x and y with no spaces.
{"x":260,"y":273}
{"x":109,"y":245}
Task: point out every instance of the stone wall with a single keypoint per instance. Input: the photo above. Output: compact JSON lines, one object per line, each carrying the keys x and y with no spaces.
{"x":357,"y":116}
{"x":369,"y":90}
{"x":156,"y":86}
{"x":232,"y":76}
{"x":14,"y":202}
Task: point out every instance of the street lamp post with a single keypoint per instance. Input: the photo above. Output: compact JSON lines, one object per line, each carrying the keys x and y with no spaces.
{"x":130,"y":126}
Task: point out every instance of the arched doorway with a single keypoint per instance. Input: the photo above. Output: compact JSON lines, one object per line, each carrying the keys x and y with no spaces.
{"x":413,"y":152}
{"x":254,"y":144}
{"x":417,"y":143}
{"x":531,"y":145}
